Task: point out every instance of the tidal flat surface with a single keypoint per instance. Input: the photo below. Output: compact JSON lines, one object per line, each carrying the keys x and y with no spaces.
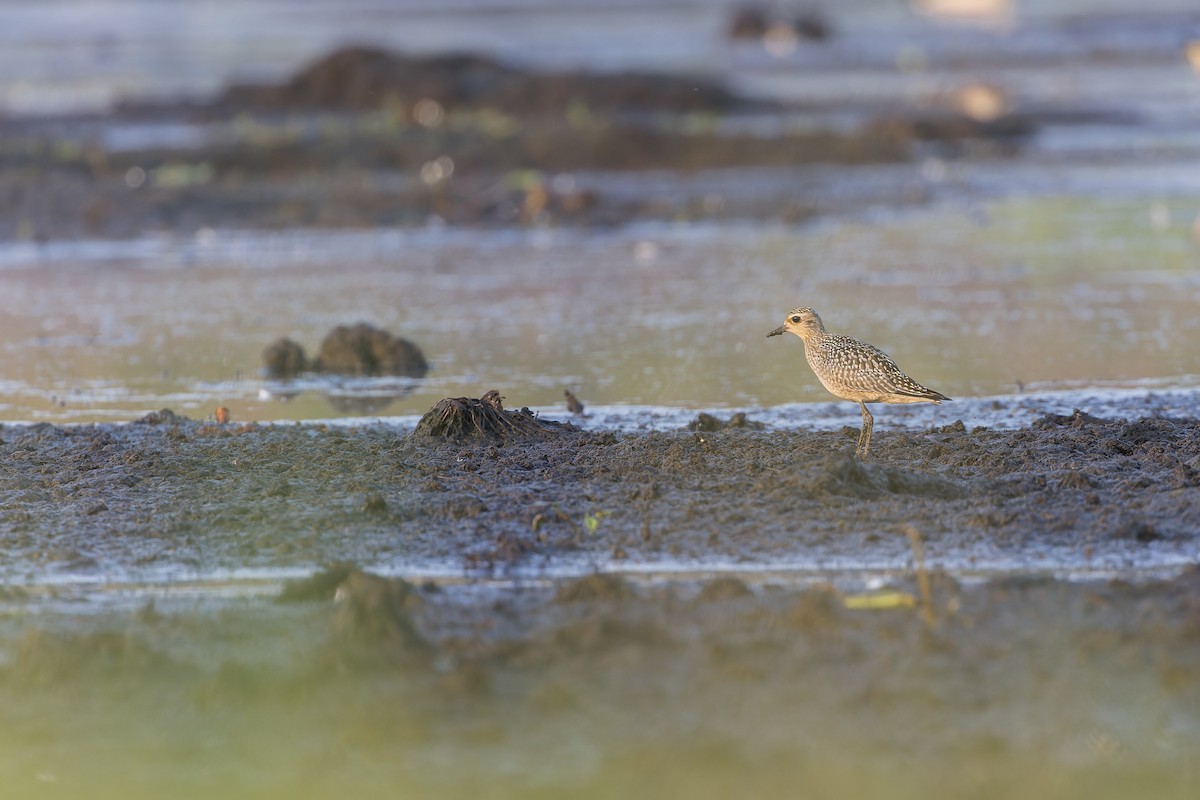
{"x":313,"y":599}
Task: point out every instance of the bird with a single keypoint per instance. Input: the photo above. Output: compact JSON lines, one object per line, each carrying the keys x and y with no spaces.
{"x":854,"y":370}
{"x":573,"y":404}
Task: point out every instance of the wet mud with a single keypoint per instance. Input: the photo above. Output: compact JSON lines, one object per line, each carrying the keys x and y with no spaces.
{"x":369,"y":138}
{"x":357,"y":350}
{"x":366,"y":78}
{"x":168,"y":491}
{"x":540,"y":683}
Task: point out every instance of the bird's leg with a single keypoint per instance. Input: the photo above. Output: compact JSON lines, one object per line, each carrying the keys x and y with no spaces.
{"x":864,"y":438}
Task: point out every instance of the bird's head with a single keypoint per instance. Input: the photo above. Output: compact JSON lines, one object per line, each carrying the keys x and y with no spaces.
{"x":802,"y":321}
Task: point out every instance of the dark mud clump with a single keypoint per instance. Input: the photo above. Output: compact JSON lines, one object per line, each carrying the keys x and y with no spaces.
{"x":754,"y":22}
{"x":366,"y":350}
{"x":1077,"y":419}
{"x":366,"y":78}
{"x":359,"y":350}
{"x":284,"y":358}
{"x":485,"y":418}
{"x":708,"y":423}
{"x":162,"y":417}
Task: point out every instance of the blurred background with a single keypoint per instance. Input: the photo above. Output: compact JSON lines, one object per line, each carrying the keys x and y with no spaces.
{"x":616,"y":198}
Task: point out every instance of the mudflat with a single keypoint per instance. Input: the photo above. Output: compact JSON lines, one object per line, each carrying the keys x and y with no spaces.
{"x":493,"y":616}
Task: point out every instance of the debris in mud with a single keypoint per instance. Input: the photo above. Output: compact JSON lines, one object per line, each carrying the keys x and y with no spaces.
{"x":1074,"y":479}
{"x":707,"y":423}
{"x":1076,"y":420}
{"x":879,"y":600}
{"x":162,"y":417}
{"x":1135,"y":527}
{"x":360,"y":350}
{"x":464,"y":417}
{"x":375,"y":504}
{"x":493,"y":398}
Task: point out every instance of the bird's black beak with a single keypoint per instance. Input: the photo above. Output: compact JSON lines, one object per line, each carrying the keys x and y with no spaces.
{"x":780,"y":330}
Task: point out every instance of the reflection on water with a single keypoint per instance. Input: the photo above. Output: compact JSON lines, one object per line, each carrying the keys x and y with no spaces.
{"x":353,"y":397}
{"x":986,"y":299}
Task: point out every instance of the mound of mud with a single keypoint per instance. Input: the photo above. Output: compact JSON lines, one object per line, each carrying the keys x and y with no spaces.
{"x":839,"y":474}
{"x":367,"y":78}
{"x":361,"y":349}
{"x":485,"y":418}
{"x":284,"y":358}
{"x":366,"y":350}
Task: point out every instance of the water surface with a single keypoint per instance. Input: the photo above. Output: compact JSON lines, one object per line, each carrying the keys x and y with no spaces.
{"x":1000,"y":297}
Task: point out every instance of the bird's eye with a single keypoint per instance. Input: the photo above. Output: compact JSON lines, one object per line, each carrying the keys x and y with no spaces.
{"x":796,"y":319}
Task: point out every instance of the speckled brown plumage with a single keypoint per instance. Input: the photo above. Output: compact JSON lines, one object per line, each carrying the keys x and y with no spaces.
{"x":854,"y":370}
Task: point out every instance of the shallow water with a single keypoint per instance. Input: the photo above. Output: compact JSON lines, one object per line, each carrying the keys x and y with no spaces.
{"x":1003,"y":296}
{"x":1083,"y":691}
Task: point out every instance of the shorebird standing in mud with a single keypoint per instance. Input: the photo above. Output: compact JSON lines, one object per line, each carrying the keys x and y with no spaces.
{"x":854,"y":370}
